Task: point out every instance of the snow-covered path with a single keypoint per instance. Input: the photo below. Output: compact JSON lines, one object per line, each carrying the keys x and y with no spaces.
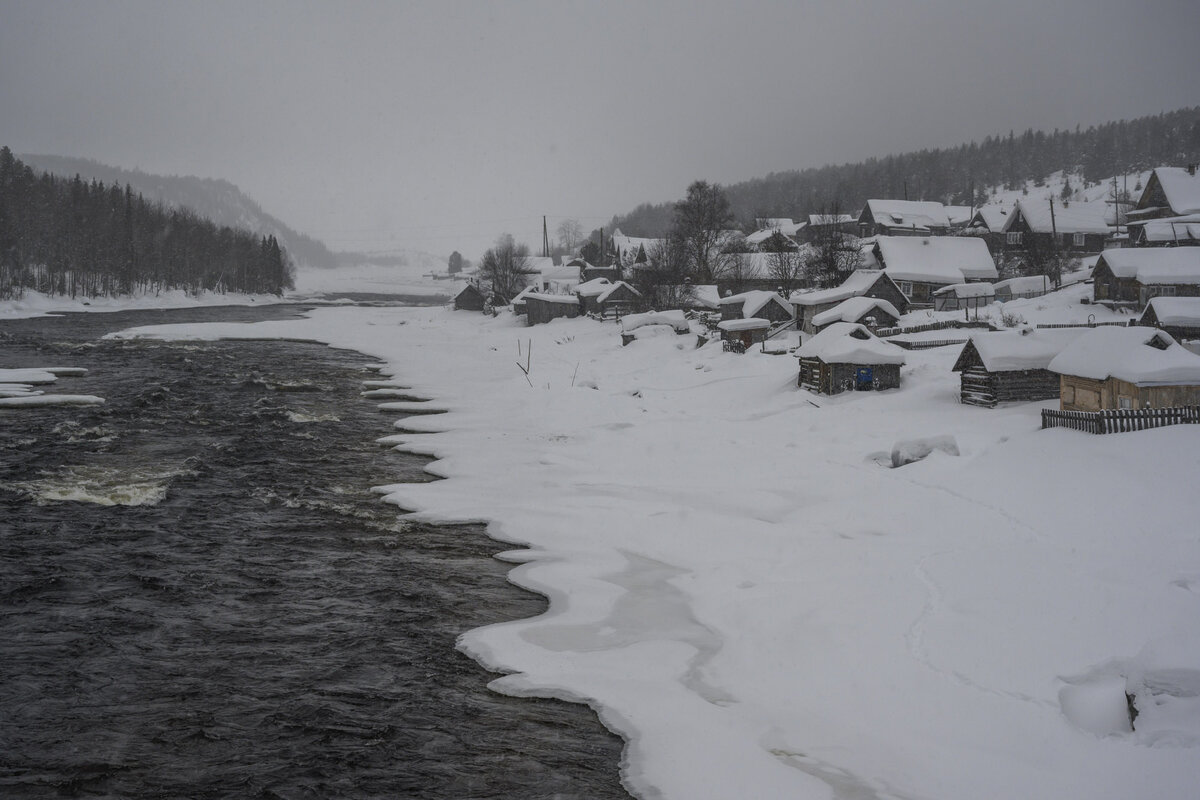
{"x":762,"y":610}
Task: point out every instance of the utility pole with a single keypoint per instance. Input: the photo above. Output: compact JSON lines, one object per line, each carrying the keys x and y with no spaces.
{"x":545,"y":238}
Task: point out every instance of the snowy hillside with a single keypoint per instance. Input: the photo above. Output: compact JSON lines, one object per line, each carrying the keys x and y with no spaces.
{"x":217,"y":200}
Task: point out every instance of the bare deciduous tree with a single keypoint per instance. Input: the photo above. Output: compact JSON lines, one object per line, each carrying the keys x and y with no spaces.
{"x":833,"y":254}
{"x":570,"y":234}
{"x":505,"y":267}
{"x":784,"y":264}
{"x":700,"y":221}
{"x":663,"y":278}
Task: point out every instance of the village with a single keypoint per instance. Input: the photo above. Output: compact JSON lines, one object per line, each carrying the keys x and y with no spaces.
{"x":1110,"y":328}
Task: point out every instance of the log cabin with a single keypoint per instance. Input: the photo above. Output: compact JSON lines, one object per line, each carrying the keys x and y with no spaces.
{"x":848,"y":357}
{"x":1126,"y":368}
{"x":1011,"y":365}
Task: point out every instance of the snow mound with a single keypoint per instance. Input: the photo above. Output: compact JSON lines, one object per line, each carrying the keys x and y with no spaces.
{"x":910,"y":450}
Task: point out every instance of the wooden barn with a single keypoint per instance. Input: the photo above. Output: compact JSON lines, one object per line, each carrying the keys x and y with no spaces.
{"x":469,"y":299}
{"x":1046,"y":225}
{"x":848,"y":357}
{"x":541,"y":308}
{"x":860,"y":283}
{"x":1011,"y":365}
{"x":1170,"y":192}
{"x":758,"y":303}
{"x":1132,"y":276}
{"x":1178,"y":316}
{"x":870,"y":312}
{"x":1126,"y":368}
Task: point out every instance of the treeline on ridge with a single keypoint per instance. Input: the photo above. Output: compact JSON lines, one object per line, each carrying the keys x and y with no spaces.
{"x":85,"y":239}
{"x":957,"y":176}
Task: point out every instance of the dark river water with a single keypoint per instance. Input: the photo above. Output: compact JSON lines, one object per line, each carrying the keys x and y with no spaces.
{"x":200,"y":598}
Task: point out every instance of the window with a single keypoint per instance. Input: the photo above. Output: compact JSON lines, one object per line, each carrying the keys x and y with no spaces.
{"x":1124,"y":403}
{"x":1013,"y":237}
{"x":906,"y":288}
{"x":1080,"y":240}
{"x":1068,"y":394}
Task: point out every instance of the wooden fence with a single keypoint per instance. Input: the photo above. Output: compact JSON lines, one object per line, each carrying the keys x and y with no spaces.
{"x":1120,"y":420}
{"x":932,"y":326}
{"x":1081,"y":324}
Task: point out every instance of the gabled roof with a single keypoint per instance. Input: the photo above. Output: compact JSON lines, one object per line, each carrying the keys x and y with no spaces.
{"x":565,"y":299}
{"x":628,"y":246}
{"x":470,"y":288}
{"x":761,"y":235}
{"x":850,"y":343}
{"x":1076,"y":217}
{"x":959,"y":215}
{"x":753,"y":301}
{"x":1181,"y":188}
{"x":858,"y":283}
{"x":604,"y":295}
{"x":919,"y":214}
{"x":854,"y":309}
{"x":991,"y":217}
{"x":940,"y":259}
{"x":1141,"y":356}
{"x":593,"y":288}
{"x":1154,"y":265}
{"x":1183,"y":311}
{"x":1009,"y":351}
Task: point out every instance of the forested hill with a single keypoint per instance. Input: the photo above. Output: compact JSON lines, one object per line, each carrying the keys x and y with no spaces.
{"x":958,"y":176}
{"x":217,"y":200}
{"x":68,"y":236}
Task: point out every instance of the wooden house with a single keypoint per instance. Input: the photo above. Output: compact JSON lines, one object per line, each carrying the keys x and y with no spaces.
{"x":1169,"y":192}
{"x":921,"y":266}
{"x":903,"y":218}
{"x":861,"y":283}
{"x":1131,"y":276}
{"x":744,"y":331}
{"x":619,"y":298}
{"x":1126,"y":368}
{"x":870,"y":312}
{"x":540,"y":308}
{"x":470,"y":298}
{"x":1178,"y":316}
{"x":987,"y":223}
{"x":1011,"y":365}
{"x":964,"y":296}
{"x":1046,"y":225}
{"x":786,"y":228}
{"x":756,"y":303}
{"x":848,"y":357}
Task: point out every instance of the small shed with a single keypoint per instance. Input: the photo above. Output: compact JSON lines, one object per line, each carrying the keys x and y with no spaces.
{"x":960,"y":296}
{"x":1018,"y":288}
{"x":541,"y":307}
{"x":860,"y":283}
{"x":848,"y":357}
{"x":871,"y":312}
{"x":1126,"y":368}
{"x":618,"y":298}
{"x":518,"y":302}
{"x":758,"y":303}
{"x":746,"y":332}
{"x":469,"y":299}
{"x":1011,"y":365}
{"x":1178,"y":316}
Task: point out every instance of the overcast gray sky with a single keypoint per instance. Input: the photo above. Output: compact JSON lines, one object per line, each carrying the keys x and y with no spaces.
{"x":438,"y":125}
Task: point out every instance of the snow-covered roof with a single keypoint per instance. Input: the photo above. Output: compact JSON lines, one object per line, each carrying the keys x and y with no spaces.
{"x":539,"y":263}
{"x":919,"y":214}
{"x":938,"y":259}
{"x":594,"y":287}
{"x":470,"y":287}
{"x":753,"y":301}
{"x":992,"y":216}
{"x":1142,"y":356}
{"x":965,"y":290}
{"x":761,"y":235}
{"x":748,"y":324}
{"x":959,"y":215}
{"x":1181,"y":188}
{"x":1007,"y":351}
{"x":850,"y":343}
{"x":706,"y":294}
{"x":628,"y":246}
{"x":604,"y":295}
{"x":854,"y":309}
{"x":565,"y":299}
{"x":676,"y":319}
{"x":857,"y":283}
{"x":1076,"y":217}
{"x":1185,"y":228}
{"x":1154,"y":265}
{"x":520,"y":298}
{"x":1024,"y":284}
{"x":1175,"y":310}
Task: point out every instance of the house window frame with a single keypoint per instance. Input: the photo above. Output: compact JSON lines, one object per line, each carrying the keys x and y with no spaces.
{"x":1014,"y":238}
{"x":1124,"y":402}
{"x":1079,"y":240}
{"x":906,"y":288}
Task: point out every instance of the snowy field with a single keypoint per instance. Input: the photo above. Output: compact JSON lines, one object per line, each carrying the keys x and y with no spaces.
{"x":761,"y":607}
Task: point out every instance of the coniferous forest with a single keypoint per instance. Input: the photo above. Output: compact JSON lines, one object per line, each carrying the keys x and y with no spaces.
{"x":87,"y":239}
{"x":959,"y":175}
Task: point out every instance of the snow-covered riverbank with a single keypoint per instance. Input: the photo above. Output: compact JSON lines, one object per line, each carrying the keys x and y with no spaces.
{"x":763,"y":610}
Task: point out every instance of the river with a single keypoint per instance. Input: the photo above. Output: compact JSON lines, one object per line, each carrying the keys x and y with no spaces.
{"x":199,"y":597}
